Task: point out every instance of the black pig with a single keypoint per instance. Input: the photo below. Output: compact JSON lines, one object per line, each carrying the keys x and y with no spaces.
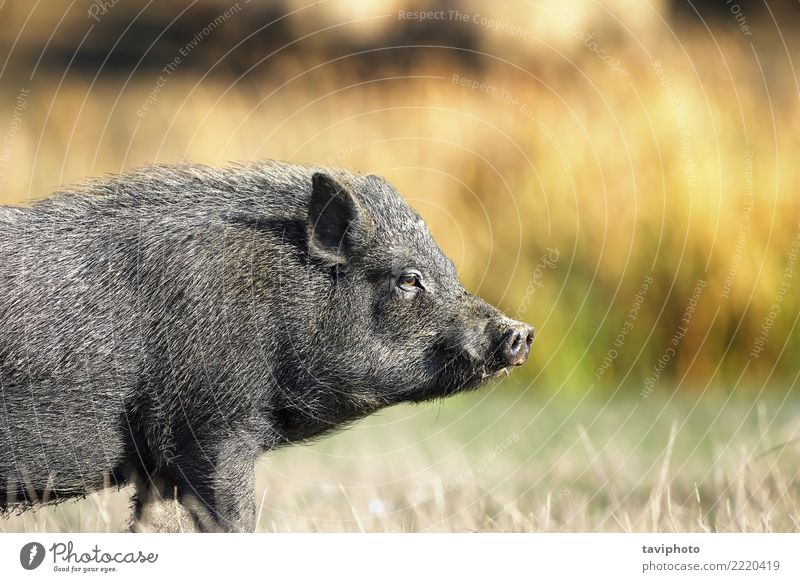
{"x":166,"y":326}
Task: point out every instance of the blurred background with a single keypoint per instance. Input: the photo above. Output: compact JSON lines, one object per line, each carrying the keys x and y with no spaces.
{"x":620,"y":174}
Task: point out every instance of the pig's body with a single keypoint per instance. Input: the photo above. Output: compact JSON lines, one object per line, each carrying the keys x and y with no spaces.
{"x":167,"y":326}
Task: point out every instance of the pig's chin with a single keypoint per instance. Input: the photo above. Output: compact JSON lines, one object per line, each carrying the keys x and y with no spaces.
{"x":484,"y":376}
{"x":468,"y":381}
{"x":454,"y":376}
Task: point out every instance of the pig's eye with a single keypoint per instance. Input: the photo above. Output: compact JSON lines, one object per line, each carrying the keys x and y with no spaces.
{"x":409,"y":281}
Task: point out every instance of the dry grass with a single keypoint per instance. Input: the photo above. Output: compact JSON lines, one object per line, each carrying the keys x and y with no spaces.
{"x":503,"y":463}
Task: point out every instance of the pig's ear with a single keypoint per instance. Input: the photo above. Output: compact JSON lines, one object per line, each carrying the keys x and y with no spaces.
{"x":336,"y":221}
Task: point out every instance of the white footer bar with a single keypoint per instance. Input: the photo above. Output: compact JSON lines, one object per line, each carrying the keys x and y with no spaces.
{"x":387,"y":557}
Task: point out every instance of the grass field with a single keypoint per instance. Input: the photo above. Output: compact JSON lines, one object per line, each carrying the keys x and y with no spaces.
{"x":505,"y":460}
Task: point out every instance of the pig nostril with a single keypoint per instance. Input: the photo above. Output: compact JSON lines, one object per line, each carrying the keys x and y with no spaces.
{"x":529,"y":338}
{"x":516,"y":345}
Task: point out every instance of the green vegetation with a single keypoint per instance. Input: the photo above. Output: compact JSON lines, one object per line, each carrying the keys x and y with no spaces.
{"x":557,"y":194}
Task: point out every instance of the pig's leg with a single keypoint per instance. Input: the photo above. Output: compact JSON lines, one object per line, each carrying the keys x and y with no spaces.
{"x":219,"y":489}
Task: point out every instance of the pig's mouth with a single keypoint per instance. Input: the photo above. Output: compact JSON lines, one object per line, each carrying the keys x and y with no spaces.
{"x":484,"y":369}
{"x":456,"y":369}
{"x":456,"y":377}
{"x":479,"y":379}
{"x":492,"y":375}
{"x":471,"y":377}
{"x":488,"y":373}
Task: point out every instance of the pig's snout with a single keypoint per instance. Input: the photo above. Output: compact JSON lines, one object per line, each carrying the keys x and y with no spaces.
{"x":516,"y":344}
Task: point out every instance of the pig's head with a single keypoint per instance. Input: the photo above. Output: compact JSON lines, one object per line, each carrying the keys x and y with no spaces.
{"x":395,"y":324}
